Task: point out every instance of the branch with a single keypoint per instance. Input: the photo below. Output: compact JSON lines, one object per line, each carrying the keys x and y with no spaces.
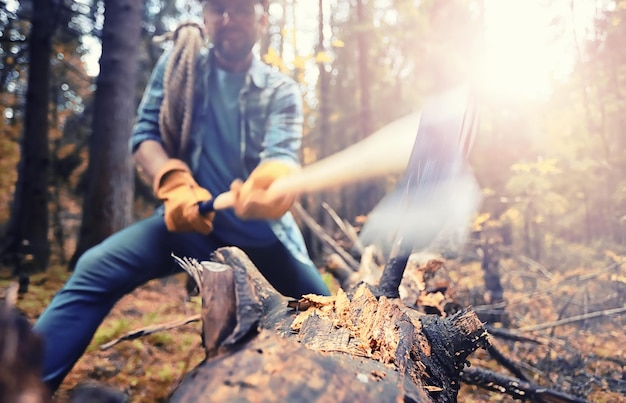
{"x":591,"y":315}
{"x":505,"y":362}
{"x":319,"y":231}
{"x":347,"y":229}
{"x":510,"y":335}
{"x":144,"y":331}
{"x":515,"y":387}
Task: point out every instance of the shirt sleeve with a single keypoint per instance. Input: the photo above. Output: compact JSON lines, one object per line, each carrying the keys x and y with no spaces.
{"x":147,"y":122}
{"x":283,"y":131}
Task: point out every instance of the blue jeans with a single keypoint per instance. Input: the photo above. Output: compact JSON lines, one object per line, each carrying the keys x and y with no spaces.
{"x":129,"y":258}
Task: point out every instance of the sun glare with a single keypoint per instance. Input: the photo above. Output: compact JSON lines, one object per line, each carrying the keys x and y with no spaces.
{"x":528,"y":44}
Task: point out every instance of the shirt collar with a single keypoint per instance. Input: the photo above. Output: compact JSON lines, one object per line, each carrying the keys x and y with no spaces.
{"x":257,"y":73}
{"x":256,"y":70}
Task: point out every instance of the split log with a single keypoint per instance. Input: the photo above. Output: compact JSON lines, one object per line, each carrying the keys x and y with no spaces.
{"x":350,"y":347}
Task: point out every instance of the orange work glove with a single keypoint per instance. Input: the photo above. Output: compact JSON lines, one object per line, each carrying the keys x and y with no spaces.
{"x":252,"y":201}
{"x":180,"y":193}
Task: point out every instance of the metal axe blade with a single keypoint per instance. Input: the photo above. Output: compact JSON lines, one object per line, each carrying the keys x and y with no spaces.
{"x":438,"y":196}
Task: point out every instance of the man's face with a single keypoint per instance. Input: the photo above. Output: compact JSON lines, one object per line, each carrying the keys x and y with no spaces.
{"x":234,"y":26}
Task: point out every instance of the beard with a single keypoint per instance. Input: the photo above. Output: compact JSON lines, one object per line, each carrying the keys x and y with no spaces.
{"x":233,"y":46}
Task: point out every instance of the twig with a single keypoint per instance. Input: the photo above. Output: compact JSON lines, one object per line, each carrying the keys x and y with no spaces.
{"x":144,"y":331}
{"x":347,"y":229}
{"x":319,"y":231}
{"x":591,"y":315}
{"x":507,"y":334}
{"x":533,"y":264}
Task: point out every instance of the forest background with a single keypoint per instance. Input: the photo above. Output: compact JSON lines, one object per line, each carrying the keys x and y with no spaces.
{"x":550,"y":153}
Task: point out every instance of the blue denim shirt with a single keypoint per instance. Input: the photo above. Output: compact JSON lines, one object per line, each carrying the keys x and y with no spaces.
{"x":270,"y":109}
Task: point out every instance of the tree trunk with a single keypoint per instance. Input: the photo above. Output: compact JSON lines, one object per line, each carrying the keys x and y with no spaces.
{"x":107,"y":206}
{"x":27,"y":232}
{"x":494,"y":293}
{"x":349,"y":347}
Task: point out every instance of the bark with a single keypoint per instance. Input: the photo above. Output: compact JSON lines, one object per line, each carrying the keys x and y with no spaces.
{"x":494,"y":293}
{"x":107,"y":206}
{"x":27,"y":232}
{"x":349,"y":347}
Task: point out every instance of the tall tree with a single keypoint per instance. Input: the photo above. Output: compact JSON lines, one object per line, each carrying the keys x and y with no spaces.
{"x":368,"y":194}
{"x":107,"y":205}
{"x":28,"y":226}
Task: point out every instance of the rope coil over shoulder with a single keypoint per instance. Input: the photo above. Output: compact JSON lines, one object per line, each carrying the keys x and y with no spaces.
{"x":176,"y":110}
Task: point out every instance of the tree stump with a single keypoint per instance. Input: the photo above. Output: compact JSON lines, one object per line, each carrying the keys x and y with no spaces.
{"x":352,"y":346}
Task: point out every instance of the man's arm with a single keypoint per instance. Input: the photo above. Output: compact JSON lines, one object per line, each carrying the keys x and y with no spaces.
{"x":279,"y":158}
{"x":149,"y":159}
{"x":145,"y":143}
{"x":283,"y":136}
{"x":173,"y":184}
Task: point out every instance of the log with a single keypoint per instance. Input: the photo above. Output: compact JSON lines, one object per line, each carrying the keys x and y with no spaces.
{"x":354,"y":346}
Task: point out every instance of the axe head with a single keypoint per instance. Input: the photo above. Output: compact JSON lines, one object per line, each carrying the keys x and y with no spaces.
{"x":437,"y":197}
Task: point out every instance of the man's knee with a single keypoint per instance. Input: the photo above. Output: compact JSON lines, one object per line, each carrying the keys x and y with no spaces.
{"x":97,"y":271}
{"x":90,"y":258}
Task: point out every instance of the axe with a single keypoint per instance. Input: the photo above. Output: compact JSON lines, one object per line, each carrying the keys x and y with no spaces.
{"x":435,"y":189}
{"x":438,"y":195}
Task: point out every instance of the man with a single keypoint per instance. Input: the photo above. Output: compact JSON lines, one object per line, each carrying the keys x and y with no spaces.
{"x":247,"y":123}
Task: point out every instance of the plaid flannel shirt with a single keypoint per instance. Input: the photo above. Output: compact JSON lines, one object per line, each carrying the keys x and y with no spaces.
{"x":270,"y":106}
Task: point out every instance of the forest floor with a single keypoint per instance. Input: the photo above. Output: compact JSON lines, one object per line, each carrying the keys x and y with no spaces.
{"x":585,"y":357}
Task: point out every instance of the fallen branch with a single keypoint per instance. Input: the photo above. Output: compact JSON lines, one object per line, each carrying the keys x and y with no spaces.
{"x":345,"y":227}
{"x":578,"y":318}
{"x":516,"y":388}
{"x":144,"y":331}
{"x":327,"y":239}
{"x":506,"y":362}
{"x":510,"y":335}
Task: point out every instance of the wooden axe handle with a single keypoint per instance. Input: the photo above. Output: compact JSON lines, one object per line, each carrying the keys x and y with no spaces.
{"x":386,"y":151}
